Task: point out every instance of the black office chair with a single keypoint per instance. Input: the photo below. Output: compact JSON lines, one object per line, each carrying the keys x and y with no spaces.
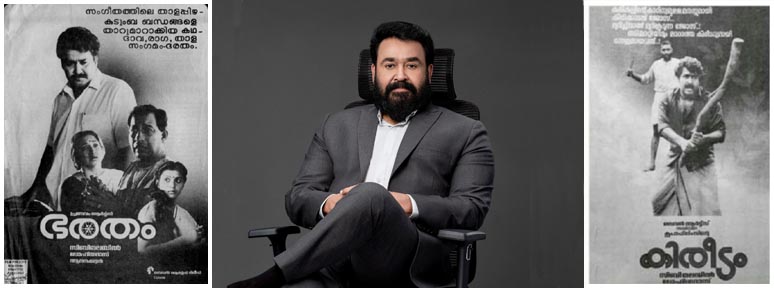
{"x":442,"y":86}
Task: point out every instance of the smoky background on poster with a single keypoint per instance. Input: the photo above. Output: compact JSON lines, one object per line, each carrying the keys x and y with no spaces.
{"x":622,"y":226}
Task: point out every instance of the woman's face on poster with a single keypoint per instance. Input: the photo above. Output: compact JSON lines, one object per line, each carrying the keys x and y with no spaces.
{"x":90,"y":152}
{"x":172,"y":183}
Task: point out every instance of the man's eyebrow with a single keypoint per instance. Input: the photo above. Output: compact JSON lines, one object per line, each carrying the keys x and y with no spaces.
{"x":388,"y":59}
{"x":413,"y":59}
{"x":410,"y":59}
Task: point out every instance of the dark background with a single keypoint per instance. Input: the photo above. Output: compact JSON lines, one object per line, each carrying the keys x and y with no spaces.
{"x":279,"y":68}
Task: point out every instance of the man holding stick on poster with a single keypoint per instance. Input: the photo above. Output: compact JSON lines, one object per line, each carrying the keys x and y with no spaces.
{"x":692,"y":120}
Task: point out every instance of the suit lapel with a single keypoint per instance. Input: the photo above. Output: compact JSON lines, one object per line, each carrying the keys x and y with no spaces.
{"x":417,"y":129}
{"x":366,"y":133}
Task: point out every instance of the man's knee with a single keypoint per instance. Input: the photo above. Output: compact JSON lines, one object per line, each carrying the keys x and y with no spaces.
{"x":369,"y":190}
{"x":372,"y":195}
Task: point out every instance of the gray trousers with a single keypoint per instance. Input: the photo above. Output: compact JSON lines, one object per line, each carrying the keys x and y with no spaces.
{"x":366,"y":240}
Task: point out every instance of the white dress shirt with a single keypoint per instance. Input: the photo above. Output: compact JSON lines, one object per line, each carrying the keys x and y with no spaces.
{"x":102,"y":107}
{"x":386,"y":145}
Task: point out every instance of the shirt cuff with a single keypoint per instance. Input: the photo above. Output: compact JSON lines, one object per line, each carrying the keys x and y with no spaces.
{"x":323,"y":204}
{"x":414,"y":209}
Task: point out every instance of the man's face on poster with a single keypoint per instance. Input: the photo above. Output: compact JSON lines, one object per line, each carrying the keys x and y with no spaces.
{"x":666,"y":51}
{"x":401,"y":77}
{"x":147,"y":139}
{"x":79,"y":67}
{"x":689,"y":82}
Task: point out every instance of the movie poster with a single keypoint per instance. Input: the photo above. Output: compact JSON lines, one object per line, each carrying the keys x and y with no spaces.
{"x":687,"y":86}
{"x":105,"y":148}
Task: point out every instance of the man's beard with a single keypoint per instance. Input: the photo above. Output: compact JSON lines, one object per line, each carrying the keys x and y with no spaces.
{"x":400,"y":105}
{"x":689,"y":90}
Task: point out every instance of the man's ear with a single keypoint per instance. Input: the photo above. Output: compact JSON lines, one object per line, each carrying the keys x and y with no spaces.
{"x":429,"y":73}
{"x":96,"y":60}
{"x":373,"y":74}
{"x":164,"y":135}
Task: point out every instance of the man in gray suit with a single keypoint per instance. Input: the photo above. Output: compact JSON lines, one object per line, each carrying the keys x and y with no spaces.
{"x":379,"y":180}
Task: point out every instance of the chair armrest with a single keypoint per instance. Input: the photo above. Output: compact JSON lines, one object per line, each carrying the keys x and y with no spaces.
{"x":465,"y":244}
{"x":460,"y":235}
{"x":273,"y":231}
{"x":276,"y":235}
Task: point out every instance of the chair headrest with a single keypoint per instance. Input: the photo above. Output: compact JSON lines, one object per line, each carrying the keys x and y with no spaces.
{"x":441,"y":84}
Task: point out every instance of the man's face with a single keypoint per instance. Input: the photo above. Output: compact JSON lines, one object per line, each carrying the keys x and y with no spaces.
{"x":89,"y":152}
{"x":666,"y":51}
{"x":401,"y":77}
{"x":171,"y":182}
{"x":79,"y":67}
{"x":147,"y":138}
{"x":689,"y":83}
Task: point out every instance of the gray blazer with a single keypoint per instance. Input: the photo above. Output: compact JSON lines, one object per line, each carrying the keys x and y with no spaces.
{"x":445,"y":162}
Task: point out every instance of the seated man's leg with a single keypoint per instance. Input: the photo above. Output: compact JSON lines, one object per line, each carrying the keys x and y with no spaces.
{"x":329,"y":277}
{"x":368,"y":226}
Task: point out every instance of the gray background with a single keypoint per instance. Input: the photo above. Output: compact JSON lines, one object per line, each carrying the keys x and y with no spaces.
{"x":279,"y":68}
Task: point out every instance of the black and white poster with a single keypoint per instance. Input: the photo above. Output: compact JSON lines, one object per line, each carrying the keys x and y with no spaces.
{"x":105,"y":147}
{"x":678,"y":131}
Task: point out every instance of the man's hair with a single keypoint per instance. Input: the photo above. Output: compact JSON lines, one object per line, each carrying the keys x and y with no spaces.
{"x":666,"y":42}
{"x":143,"y":110}
{"x":692,"y":64}
{"x":79,"y":39}
{"x":403,"y":31}
{"x":74,"y":149}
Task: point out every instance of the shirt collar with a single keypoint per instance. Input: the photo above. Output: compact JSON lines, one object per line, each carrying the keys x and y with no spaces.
{"x":95,"y":83}
{"x":384,"y":123}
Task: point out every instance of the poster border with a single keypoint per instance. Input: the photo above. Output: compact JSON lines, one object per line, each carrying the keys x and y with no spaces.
{"x":209,"y":122}
{"x":586,"y":116}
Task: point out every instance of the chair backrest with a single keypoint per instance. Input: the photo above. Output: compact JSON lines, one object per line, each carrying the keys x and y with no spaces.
{"x":442,"y":87}
{"x":441,"y":84}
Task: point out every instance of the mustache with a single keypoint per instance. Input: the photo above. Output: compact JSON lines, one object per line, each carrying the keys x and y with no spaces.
{"x":400,"y":84}
{"x":138,"y":145}
{"x":78,"y":76}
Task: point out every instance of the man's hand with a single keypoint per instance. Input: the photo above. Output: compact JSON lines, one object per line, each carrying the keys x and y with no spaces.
{"x":345,"y":191}
{"x":697,"y":138}
{"x":687,"y":146}
{"x":335,"y":198}
{"x":331,"y":203}
{"x":629,"y":72}
{"x":404,"y":201}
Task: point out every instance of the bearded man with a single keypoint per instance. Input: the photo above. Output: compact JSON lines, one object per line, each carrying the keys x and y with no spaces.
{"x":689,"y":185}
{"x":379,"y":180}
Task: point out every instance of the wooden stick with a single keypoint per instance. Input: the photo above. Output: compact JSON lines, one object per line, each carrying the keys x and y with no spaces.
{"x":715,"y":96}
